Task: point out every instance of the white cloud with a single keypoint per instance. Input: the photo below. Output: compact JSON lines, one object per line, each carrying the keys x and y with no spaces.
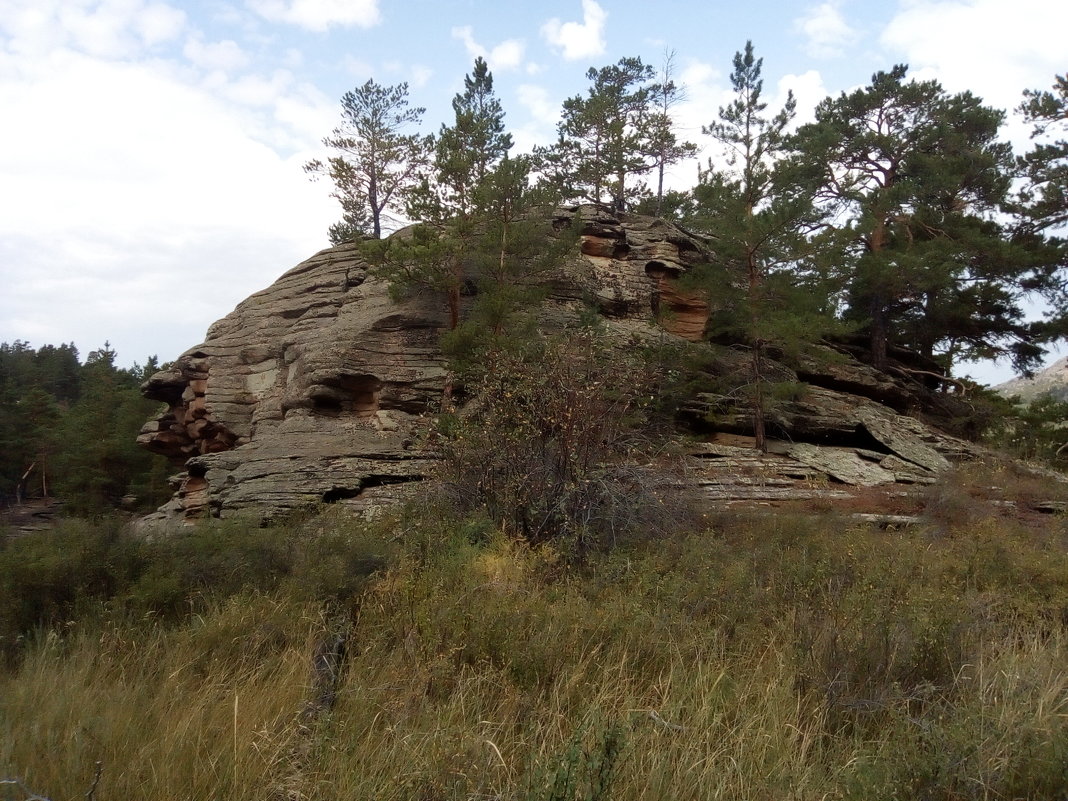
{"x":168,"y":211}
{"x":256,"y":90}
{"x":954,"y":42}
{"x":826,"y":32}
{"x":808,"y":89}
{"x":158,"y":22}
{"x":577,"y":40}
{"x":319,"y":15}
{"x":421,"y":74}
{"x":543,"y":114}
{"x":105,"y":28}
{"x":704,"y":91}
{"x":504,"y":56}
{"x":415,"y":75}
{"x":226,"y":56}
{"x":535,"y":99}
{"x":357,"y":68}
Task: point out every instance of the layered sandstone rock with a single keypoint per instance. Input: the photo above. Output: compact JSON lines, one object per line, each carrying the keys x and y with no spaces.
{"x":318,"y":388}
{"x":323,"y":388}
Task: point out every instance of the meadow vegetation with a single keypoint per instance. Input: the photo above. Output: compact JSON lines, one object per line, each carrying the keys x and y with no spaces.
{"x":747,"y":657}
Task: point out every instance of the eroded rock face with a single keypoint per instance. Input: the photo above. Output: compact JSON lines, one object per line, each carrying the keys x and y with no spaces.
{"x":315,"y":389}
{"x":322,"y":388}
{"x":632,"y":267}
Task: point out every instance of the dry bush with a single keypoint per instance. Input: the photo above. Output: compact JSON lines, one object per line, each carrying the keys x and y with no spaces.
{"x":554,"y":442}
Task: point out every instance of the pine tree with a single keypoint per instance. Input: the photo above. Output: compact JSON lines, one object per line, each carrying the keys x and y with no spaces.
{"x":469,"y":149}
{"x":514,"y":247}
{"x":68,"y":430}
{"x":759,"y":218}
{"x":665,"y":145}
{"x":96,"y":457}
{"x":1045,"y":167}
{"x":1041,"y":207}
{"x":918,"y":176}
{"x":605,"y":138}
{"x":377,"y":163}
{"x":436,"y":255}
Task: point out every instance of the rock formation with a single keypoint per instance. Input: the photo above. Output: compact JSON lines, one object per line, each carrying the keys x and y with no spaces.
{"x":322,"y":388}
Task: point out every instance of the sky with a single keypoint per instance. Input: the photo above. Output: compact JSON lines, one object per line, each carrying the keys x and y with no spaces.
{"x":151,"y":151}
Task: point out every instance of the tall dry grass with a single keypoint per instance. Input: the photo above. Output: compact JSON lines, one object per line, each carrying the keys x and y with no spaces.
{"x":786,"y":659}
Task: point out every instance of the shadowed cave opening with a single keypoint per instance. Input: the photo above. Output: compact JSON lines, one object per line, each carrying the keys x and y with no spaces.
{"x":335,"y":494}
{"x":357,"y":395}
{"x":657,"y":271}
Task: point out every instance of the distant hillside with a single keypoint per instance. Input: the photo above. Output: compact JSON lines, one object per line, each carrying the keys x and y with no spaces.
{"x":1051,"y":381}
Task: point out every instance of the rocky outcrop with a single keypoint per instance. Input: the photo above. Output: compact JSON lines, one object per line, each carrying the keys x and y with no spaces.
{"x":324,"y":388}
{"x":631,"y":269}
{"x":318,"y":388}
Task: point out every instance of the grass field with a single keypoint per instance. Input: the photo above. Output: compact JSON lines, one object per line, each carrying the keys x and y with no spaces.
{"x":759,"y":658}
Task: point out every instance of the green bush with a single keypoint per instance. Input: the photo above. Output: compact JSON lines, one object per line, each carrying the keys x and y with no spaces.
{"x":49,"y":579}
{"x":83,"y":570}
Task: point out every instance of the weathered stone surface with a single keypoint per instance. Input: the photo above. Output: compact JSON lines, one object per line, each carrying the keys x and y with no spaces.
{"x":317,"y":388}
{"x":903,"y":436}
{"x":842,"y":464}
{"x":322,"y":388}
{"x":631,"y":269}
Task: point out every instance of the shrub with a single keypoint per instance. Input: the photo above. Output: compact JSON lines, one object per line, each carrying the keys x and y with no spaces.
{"x":548,"y":445}
{"x":47,"y":579}
{"x":83,"y":570}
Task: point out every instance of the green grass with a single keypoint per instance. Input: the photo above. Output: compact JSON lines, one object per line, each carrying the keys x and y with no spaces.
{"x":783,"y":658}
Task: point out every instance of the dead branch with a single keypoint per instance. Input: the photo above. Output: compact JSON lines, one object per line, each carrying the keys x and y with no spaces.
{"x":945,"y":379}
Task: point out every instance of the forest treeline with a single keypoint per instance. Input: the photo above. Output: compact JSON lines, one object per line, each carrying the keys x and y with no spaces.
{"x":68,"y":429}
{"x":898,"y":213}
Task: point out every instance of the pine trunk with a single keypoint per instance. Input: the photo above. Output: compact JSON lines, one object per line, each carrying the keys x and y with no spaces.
{"x":759,"y":432}
{"x":880,"y":334}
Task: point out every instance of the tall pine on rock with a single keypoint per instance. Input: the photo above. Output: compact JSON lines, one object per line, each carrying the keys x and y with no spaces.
{"x":759,"y":219}
{"x":605,"y":138}
{"x":918,"y":175}
{"x":377,"y":163}
{"x":469,"y":149}
{"x":447,"y":203}
{"x":665,"y":147}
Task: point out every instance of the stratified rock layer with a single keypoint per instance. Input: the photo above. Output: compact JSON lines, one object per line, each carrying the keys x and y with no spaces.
{"x":323,"y":388}
{"x":315,"y":389}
